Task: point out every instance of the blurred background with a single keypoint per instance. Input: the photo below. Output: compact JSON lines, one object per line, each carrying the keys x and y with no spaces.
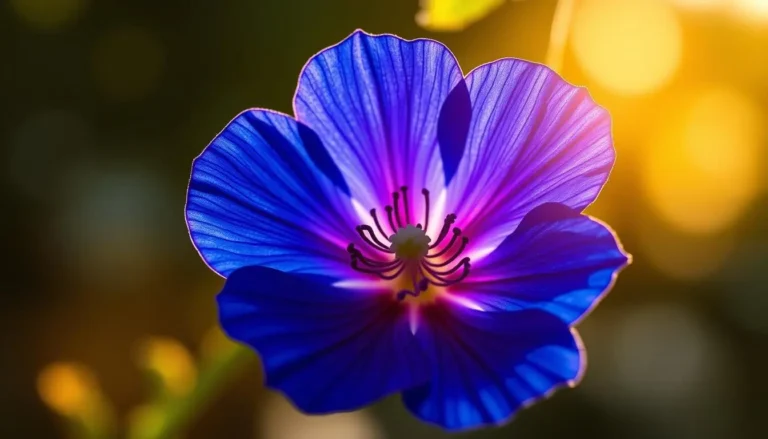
{"x":108,"y":319}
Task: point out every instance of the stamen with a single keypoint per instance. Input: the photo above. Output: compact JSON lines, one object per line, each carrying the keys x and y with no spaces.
{"x":426,"y":208}
{"x":368,"y":261}
{"x":442,"y":281}
{"x":410,"y":249}
{"x":396,"y":202}
{"x":404,"y":190}
{"x":373,"y":241}
{"x":456,"y":233}
{"x":381,"y":273}
{"x":389,"y":217}
{"x":378,"y":225}
{"x":464,"y":242}
{"x":446,"y":227}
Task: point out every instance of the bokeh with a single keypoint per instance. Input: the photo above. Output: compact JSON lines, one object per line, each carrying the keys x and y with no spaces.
{"x":108,"y":318}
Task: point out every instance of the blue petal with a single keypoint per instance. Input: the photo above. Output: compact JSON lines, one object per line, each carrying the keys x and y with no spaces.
{"x":488,"y":365}
{"x":375,"y":102}
{"x":557,"y":260}
{"x":258,"y":197}
{"x":327,"y":349}
{"x":534,"y":138}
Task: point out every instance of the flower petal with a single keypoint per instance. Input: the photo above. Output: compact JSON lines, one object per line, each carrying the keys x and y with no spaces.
{"x":557,"y":260}
{"x":257,"y":197}
{"x":375,"y":103}
{"x":534,"y":138}
{"x":328,"y":349}
{"x":488,"y":365}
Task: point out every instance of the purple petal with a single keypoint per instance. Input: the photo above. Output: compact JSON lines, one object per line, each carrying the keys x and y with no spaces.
{"x":534,"y":138}
{"x":327,"y":349}
{"x":375,"y":103}
{"x":488,"y":365}
{"x":557,"y":260}
{"x":257,"y":196}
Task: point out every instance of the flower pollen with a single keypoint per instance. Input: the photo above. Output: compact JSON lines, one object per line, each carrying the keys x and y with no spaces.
{"x":410,"y":242}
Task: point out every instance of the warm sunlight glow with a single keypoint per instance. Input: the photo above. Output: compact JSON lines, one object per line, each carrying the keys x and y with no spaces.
{"x":755,"y":10}
{"x":702,"y":173}
{"x":628,"y":46}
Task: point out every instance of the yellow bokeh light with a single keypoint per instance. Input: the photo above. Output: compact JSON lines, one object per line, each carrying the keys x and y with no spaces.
{"x":48,"y":14}
{"x":68,"y":388}
{"x":171,"y":361}
{"x":629,"y":46}
{"x":448,"y":15}
{"x":702,"y":169}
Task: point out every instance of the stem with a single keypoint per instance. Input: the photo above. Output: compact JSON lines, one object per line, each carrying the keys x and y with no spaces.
{"x":217,"y":372}
{"x":558,"y":36}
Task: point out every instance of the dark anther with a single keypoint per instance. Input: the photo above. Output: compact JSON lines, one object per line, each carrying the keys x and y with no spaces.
{"x":426,"y":208}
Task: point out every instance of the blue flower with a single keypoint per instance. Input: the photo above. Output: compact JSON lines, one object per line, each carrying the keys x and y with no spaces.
{"x":411,"y":230}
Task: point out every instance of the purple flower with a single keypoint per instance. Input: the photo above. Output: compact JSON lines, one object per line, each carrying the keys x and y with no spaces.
{"x":411,"y":230}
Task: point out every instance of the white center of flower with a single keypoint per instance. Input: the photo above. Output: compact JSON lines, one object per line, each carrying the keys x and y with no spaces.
{"x":410,"y":243}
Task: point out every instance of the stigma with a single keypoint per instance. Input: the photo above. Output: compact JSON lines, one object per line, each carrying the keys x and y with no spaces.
{"x":404,"y":253}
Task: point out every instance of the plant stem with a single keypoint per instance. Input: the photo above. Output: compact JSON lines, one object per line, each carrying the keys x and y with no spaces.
{"x":214,"y":375}
{"x":558,"y":36}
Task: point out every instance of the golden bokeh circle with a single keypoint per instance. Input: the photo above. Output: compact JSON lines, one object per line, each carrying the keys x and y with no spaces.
{"x":629,"y":46}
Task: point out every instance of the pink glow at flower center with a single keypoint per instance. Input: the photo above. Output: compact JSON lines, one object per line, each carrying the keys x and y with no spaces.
{"x":407,"y":255}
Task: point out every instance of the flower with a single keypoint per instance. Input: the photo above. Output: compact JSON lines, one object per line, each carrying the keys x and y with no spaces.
{"x":411,"y":230}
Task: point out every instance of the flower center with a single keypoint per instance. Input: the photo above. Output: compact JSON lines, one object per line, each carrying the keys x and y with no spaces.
{"x":410,"y":243}
{"x":407,"y":255}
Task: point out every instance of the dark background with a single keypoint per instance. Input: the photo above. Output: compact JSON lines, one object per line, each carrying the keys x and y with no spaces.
{"x":107,"y":309}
